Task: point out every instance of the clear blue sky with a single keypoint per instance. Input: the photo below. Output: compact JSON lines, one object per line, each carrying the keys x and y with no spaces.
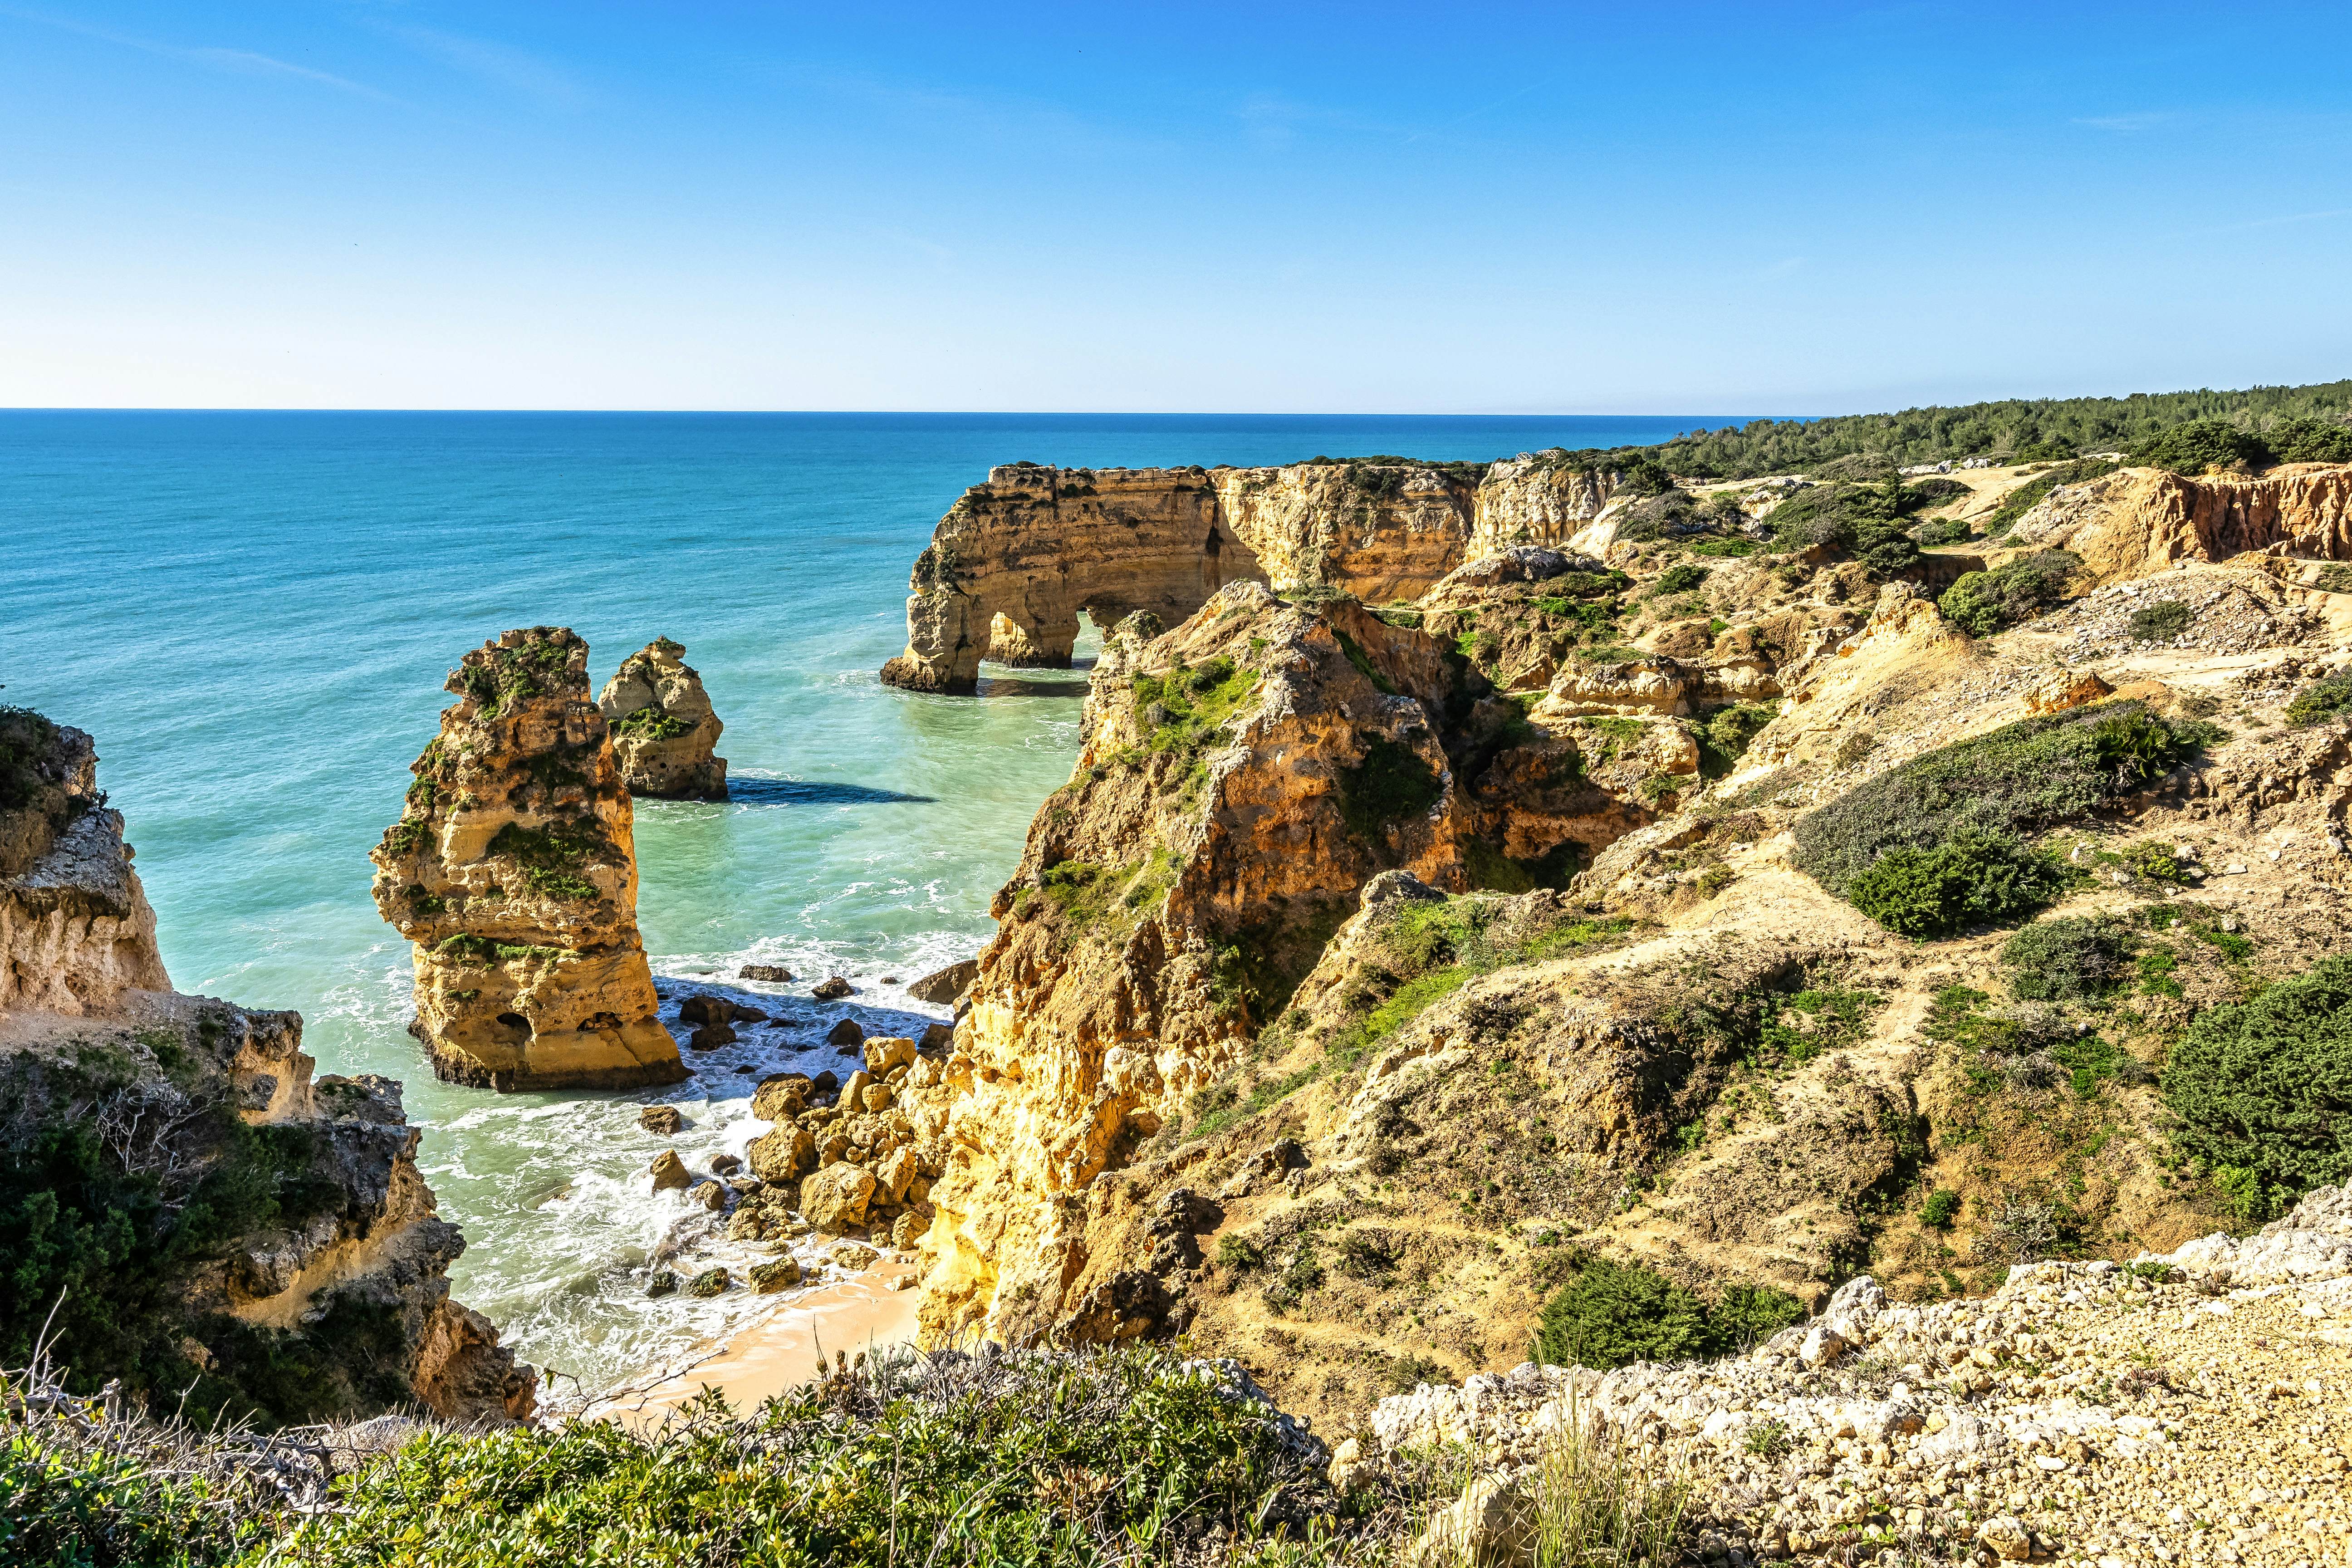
{"x":1269,"y":206}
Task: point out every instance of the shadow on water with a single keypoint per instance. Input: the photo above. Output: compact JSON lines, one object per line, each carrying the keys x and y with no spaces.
{"x":814,"y":792}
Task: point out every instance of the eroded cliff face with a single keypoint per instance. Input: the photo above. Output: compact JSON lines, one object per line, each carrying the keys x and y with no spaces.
{"x":1240,"y":777}
{"x":2139,"y":520}
{"x":269,"y":1243}
{"x":513,"y":873}
{"x":1015,"y":560}
{"x":663,"y":728}
{"x":75,"y":928}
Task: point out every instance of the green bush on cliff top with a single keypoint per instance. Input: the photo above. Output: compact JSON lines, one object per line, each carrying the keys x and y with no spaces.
{"x":1936,"y":844}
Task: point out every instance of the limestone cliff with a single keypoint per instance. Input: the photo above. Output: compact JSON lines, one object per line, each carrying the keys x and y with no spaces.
{"x":1014,"y":562}
{"x":75,"y":928}
{"x":219,"y":1223}
{"x":2139,"y":520}
{"x":1691,"y":1055}
{"x":513,"y":872}
{"x":663,"y":728}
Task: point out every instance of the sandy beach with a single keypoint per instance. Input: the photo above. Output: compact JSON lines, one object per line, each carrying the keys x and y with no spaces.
{"x":781,"y":1350}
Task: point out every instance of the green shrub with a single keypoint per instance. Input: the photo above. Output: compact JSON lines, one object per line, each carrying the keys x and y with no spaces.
{"x":2160,"y":622}
{"x":25,"y":738}
{"x":1983,"y":603}
{"x":1390,"y":783}
{"x":1111,"y":1457}
{"x":2321,"y":701}
{"x":1951,"y":822}
{"x":650,"y":724}
{"x":2307,"y":440}
{"x":2264,"y":1087}
{"x":1725,"y":734}
{"x":1869,"y":523}
{"x":1612,"y":1314}
{"x":2073,"y":960}
{"x":1971,"y":878}
{"x":1942,"y":1207}
{"x":1680,"y":579}
{"x":2201,"y":446}
{"x":1747,"y":1315}
{"x":550,"y":856}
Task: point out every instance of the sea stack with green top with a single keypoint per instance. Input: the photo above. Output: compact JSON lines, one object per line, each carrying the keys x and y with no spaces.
{"x":512,"y":871}
{"x":663,"y":727}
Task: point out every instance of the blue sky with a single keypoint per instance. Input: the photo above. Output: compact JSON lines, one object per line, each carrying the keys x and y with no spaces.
{"x":1365,"y":208}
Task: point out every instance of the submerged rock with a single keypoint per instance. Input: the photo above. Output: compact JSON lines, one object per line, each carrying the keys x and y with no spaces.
{"x":514,"y":871}
{"x":663,"y":726}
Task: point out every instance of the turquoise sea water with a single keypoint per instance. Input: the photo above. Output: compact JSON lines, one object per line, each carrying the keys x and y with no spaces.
{"x":254,"y":613}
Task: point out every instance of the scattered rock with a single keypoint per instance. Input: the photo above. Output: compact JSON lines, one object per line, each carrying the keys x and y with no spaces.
{"x":940,"y":987}
{"x":877,"y":1097}
{"x":853,"y":1256}
{"x":710,"y":1282}
{"x":781,"y":1095}
{"x":669,"y":1171}
{"x":849,"y":1032}
{"x":784,"y":1154}
{"x":666,"y":1120}
{"x":725,"y":1165}
{"x":775,"y":974}
{"x":884,"y":1052}
{"x":830,"y":990}
{"x":710,"y":1037}
{"x":782,"y":1274}
{"x":835,"y":1199}
{"x":712,"y":1196}
{"x":937,"y":1039}
{"x":663,"y":1283}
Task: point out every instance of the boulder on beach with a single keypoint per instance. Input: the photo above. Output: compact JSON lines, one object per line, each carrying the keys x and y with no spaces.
{"x":782,"y":1095}
{"x":782,"y":1274}
{"x":784,"y":1154}
{"x":884,"y":1052}
{"x":940,"y":987}
{"x":834,"y":1199}
{"x":669,"y":1171}
{"x":710,"y":1282}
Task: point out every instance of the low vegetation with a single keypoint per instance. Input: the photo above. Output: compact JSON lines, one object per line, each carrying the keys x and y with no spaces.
{"x":1983,"y":603}
{"x":1939,"y":843}
{"x":2262,"y":1089}
{"x":551,"y":858}
{"x":1612,"y":1314}
{"x":1870,"y":523}
{"x":1390,"y":783}
{"x":1127,"y":1458}
{"x":25,"y":738}
{"x":2204,"y":445}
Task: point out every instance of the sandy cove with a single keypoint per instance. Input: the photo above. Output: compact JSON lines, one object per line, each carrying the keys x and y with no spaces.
{"x":781,"y":1350}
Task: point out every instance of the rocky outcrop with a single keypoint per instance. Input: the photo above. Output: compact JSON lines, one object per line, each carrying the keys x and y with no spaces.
{"x":512,"y":871}
{"x":75,"y":928}
{"x":1014,"y":562}
{"x":268,"y":1245}
{"x":2140,"y":521}
{"x":1542,"y":499}
{"x":663,"y":727}
{"x":1240,"y":777}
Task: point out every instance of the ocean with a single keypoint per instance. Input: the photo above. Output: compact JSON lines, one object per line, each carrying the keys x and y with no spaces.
{"x":253,"y":613}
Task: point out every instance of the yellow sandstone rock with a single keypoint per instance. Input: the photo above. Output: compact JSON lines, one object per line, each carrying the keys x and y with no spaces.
{"x":513,"y":872}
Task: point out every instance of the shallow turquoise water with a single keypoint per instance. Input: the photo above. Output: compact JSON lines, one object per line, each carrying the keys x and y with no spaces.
{"x":254,"y":613}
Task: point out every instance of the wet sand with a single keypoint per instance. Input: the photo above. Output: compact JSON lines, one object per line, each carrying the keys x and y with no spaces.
{"x":781,"y":1350}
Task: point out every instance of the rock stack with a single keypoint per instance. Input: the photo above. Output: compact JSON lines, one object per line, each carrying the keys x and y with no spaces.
{"x":663,"y":727}
{"x":512,"y":872}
